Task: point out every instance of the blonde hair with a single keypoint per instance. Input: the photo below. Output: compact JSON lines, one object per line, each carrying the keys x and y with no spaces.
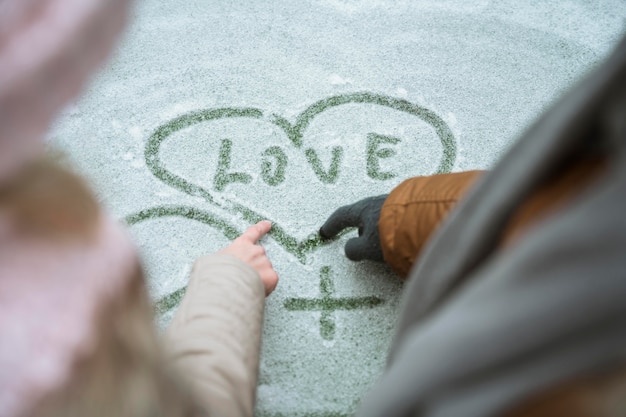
{"x":47,"y":199}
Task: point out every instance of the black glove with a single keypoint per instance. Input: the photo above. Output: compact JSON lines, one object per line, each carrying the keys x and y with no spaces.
{"x":363,"y":214}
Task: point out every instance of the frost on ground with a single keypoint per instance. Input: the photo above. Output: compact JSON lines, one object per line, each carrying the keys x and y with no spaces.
{"x":213,"y":114}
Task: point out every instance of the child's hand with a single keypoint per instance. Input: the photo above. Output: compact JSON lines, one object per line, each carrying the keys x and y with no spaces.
{"x":245,"y":248}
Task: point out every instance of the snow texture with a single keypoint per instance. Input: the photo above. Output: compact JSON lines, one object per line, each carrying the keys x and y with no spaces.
{"x":215,"y":113}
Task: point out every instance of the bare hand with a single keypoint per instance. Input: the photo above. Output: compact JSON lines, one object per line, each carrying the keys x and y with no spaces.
{"x":245,"y":248}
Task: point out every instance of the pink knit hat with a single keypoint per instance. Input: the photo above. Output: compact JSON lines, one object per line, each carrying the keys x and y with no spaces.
{"x":48,"y":49}
{"x":50,"y":294}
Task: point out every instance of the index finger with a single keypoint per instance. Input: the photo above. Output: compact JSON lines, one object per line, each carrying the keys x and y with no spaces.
{"x":257,"y":231}
{"x":342,"y":218}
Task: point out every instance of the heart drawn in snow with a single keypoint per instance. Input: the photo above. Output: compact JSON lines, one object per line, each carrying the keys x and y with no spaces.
{"x":294,"y":133}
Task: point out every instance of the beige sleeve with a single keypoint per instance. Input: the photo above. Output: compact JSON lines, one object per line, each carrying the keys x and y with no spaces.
{"x":215,"y":336}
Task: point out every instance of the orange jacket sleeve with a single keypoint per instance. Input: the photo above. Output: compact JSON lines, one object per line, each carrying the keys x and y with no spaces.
{"x":413,"y":211}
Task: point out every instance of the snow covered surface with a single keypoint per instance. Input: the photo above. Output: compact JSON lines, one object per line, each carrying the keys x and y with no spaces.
{"x":216,"y":113}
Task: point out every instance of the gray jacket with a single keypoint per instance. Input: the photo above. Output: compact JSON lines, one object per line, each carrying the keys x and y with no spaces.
{"x":482,"y":328}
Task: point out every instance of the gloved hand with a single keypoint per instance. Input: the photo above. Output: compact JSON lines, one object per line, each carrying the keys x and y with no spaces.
{"x":363,"y":214}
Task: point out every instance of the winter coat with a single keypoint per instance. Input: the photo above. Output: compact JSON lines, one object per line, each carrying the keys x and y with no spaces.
{"x":516,"y":304}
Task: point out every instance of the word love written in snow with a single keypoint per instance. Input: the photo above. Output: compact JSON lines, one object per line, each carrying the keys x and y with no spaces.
{"x":274,"y":163}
